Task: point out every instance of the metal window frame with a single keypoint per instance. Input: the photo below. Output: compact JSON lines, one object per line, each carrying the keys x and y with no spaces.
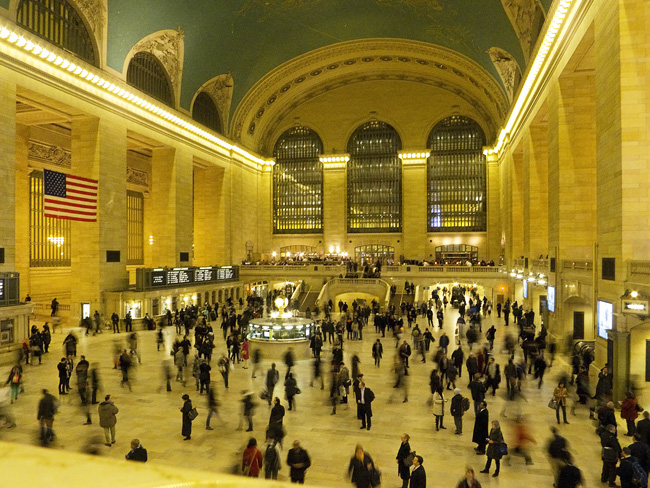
{"x":456,"y":177}
{"x":58,"y":22}
{"x":298,"y":183}
{"x":374,"y":179}
{"x":147,"y":74}
{"x":134,"y":227}
{"x":205,"y":112}
{"x":44,"y":251}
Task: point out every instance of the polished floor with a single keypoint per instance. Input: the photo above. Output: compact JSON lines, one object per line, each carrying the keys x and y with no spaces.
{"x":152,"y":415}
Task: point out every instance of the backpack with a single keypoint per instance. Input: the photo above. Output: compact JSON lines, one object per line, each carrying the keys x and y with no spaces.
{"x":271,"y":457}
{"x":408,"y":460}
{"x":465,"y":404}
{"x":640,"y":477}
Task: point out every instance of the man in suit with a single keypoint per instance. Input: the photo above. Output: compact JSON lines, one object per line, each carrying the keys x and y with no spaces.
{"x":418,"y":475}
{"x":481,"y":425}
{"x":364,"y":402}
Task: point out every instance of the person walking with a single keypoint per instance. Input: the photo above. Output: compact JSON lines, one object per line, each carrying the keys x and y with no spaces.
{"x":560,"y":395}
{"x":569,"y":476}
{"x":495,"y":440}
{"x":47,"y":407}
{"x":272,"y":377}
{"x":63,"y":376}
{"x":224,"y":368}
{"x":291,"y":390}
{"x":403,"y":461}
{"x":610,"y":454}
{"x":377,"y":352}
{"x":276,"y":429}
{"x":298,"y":461}
{"x":271,"y":459}
{"x":14,"y":381}
{"x":186,"y":431}
{"x":108,"y":418}
{"x":481,"y":424}
{"x":213,"y":403}
{"x":418,"y":475}
{"x":245,"y":353}
{"x":470,"y":480}
{"x":361,"y":468}
{"x":247,"y":408}
{"x":251,"y":459}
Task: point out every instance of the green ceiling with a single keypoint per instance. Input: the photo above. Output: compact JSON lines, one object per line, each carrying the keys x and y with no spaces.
{"x":249,"y":38}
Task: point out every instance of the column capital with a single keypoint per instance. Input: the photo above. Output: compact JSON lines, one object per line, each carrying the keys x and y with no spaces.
{"x":414,"y":157}
{"x":334,"y":161}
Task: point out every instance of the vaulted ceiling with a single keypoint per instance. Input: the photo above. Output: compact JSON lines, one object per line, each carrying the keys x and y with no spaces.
{"x":250,"y":38}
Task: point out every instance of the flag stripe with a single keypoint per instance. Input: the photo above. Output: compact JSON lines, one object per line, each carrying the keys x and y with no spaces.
{"x":79,"y":185}
{"x":79,"y":192}
{"x":66,"y":217}
{"x":87,"y":180}
{"x":54,"y":202}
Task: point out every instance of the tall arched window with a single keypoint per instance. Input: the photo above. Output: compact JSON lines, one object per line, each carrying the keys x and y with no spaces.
{"x":298,"y":183}
{"x":57,"y":22}
{"x":205,"y":112}
{"x":374,"y":179}
{"x":456,"y":188}
{"x":148,"y":75}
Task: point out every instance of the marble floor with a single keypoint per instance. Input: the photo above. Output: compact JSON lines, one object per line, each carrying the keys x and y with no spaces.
{"x":153,"y":416}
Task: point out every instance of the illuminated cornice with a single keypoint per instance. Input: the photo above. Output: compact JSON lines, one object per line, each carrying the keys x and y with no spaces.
{"x":413,"y":155}
{"x":339,"y":158}
{"x":58,"y":59}
{"x":555,"y":31}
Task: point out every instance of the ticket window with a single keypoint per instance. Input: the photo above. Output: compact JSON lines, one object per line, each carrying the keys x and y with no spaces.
{"x":135,"y":309}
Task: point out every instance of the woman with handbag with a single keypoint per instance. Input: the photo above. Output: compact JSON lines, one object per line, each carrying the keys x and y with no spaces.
{"x":560,"y":395}
{"x":251,"y":459}
{"x":404,"y":461}
{"x":439,"y":408}
{"x":186,"y":431}
{"x":629,"y":412}
{"x":493,"y":451}
{"x":362,"y":470}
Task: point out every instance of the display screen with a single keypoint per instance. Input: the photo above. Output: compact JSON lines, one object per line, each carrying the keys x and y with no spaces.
{"x":179,"y":276}
{"x":158,"y":278}
{"x":550,"y":298}
{"x":605,"y":318}
{"x":225,"y":274}
{"x":525,"y":289}
{"x":204,"y":274}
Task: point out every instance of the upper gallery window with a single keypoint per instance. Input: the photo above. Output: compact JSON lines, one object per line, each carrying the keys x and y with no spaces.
{"x":205,"y":112}
{"x":148,"y":75}
{"x":374,"y":179}
{"x":456,"y":181}
{"x":57,"y":22}
{"x":298,"y":183}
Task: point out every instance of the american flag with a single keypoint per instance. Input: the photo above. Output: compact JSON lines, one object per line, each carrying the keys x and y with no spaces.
{"x":69,"y":197}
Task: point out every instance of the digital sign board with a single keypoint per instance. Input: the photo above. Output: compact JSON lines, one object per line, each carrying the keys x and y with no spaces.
{"x":605,"y":318}
{"x":148,"y":278}
{"x":550,"y":298}
{"x":525,"y":289}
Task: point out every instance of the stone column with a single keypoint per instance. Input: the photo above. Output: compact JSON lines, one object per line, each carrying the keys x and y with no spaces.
{"x":535,"y":169}
{"x":168,"y":216}
{"x":99,"y":152}
{"x":209,"y":216}
{"x":22,"y":207}
{"x":8,"y":176}
{"x":335,"y":207}
{"x":494,"y":249}
{"x":414,"y":207}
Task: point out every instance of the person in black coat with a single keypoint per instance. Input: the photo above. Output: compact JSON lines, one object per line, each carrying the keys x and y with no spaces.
{"x":364,"y":401}
{"x":403,"y":471}
{"x":640,"y":451}
{"x":643,"y":427}
{"x":137,"y":452}
{"x":481,"y":425}
{"x":418,"y":475}
{"x":611,"y":453}
{"x":361,"y":468}
{"x":186,"y":431}
{"x":298,"y":461}
{"x":625,"y":470}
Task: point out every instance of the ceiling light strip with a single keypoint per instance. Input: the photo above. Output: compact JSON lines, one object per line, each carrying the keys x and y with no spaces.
{"x":7,"y":35}
{"x":534,"y":71}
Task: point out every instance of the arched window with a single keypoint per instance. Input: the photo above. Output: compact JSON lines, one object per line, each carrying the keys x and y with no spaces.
{"x":148,"y":75}
{"x":205,"y":112}
{"x":374,"y":179}
{"x":298,"y":183}
{"x":57,"y":22}
{"x":456,"y":188}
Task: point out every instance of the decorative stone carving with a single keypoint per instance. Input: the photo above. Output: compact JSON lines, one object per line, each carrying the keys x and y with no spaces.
{"x":137,"y":177}
{"x":220,"y":88}
{"x":95,"y":13}
{"x":169,"y":47}
{"x":50,"y":154}
{"x":526,"y":17}
{"x":508,"y":69}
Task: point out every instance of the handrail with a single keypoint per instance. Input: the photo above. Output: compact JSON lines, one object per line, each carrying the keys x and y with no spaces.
{"x":569,"y":264}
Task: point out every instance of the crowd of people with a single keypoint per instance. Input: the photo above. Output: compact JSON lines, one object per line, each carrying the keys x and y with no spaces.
{"x":527,"y":351}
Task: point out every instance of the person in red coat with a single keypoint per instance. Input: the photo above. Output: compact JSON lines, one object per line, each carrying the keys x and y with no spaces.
{"x":245,"y":353}
{"x":251,"y":459}
{"x":629,"y":412}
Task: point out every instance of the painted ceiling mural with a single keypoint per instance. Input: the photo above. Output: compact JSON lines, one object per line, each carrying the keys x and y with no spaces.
{"x":248,"y":38}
